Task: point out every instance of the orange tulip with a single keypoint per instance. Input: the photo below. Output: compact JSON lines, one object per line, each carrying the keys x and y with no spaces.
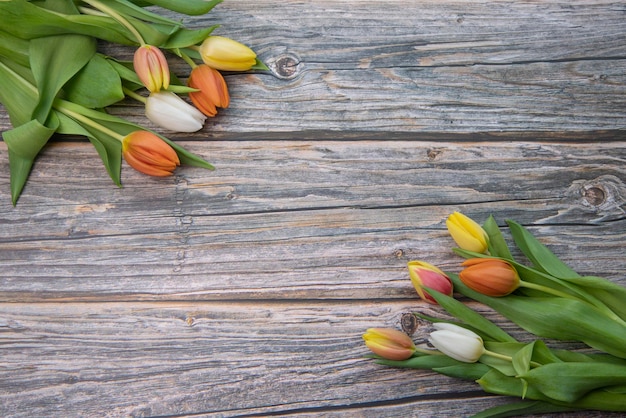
{"x":389,"y":343}
{"x":149,"y":154}
{"x":489,"y":276}
{"x":151,"y":68}
{"x":213,"y":92}
{"x":423,"y":274}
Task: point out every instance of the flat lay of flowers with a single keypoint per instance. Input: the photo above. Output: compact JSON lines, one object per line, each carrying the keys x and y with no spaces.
{"x":544,"y":297}
{"x":53,"y":79}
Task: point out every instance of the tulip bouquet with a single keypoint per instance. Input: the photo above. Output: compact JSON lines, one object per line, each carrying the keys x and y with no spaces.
{"x":544,"y":297}
{"x":54,"y":80}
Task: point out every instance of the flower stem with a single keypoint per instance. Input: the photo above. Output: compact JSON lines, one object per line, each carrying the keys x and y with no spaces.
{"x":90,"y":122}
{"x":134,"y":95}
{"x":115,"y":15}
{"x":507,"y":358}
{"x":188,"y":59}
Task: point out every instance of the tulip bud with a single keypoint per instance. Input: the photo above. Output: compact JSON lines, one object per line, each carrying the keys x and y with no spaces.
{"x":423,"y":275}
{"x":149,"y":154}
{"x":171,"y":112}
{"x":213,"y":90}
{"x":227,"y":55}
{"x":151,"y":68}
{"x":489,"y":276}
{"x":467,"y":234}
{"x":457,"y":342}
{"x":389,"y":343}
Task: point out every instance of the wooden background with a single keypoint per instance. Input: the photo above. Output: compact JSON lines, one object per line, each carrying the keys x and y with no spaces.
{"x":245,"y":291}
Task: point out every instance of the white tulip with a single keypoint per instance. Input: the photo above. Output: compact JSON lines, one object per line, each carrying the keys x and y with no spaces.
{"x":170,"y":112}
{"x":457,"y":342}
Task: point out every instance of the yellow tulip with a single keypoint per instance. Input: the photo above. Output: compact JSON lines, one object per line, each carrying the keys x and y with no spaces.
{"x":226,"y":54}
{"x":467,"y":234}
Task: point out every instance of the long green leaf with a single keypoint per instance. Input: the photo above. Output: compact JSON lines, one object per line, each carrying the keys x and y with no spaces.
{"x":96,"y":85}
{"x":558,"y":318}
{"x":14,"y":48}
{"x":24,"y":143}
{"x":522,"y":408}
{"x":497,"y":244}
{"x":27,"y":21}
{"x":18,"y":93}
{"x":470,"y":317}
{"x":188,"y":7}
{"x":567,"y":382}
{"x":109,"y":149}
{"x":54,"y":60}
{"x":539,"y":254}
{"x":124,"y":127}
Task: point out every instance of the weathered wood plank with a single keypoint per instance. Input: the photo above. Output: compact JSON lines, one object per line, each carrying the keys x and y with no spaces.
{"x":402,"y":67}
{"x":298,"y":220}
{"x":214,"y":359}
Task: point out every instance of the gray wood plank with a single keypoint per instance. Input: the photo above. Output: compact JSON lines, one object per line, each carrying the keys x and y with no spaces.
{"x":329,"y":219}
{"x":215,"y":359}
{"x":422,"y":66}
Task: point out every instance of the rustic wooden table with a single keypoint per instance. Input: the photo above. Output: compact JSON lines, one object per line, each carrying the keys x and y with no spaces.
{"x":245,"y":291}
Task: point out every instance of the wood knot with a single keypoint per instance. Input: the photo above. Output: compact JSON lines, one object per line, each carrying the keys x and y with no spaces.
{"x":409,"y":323}
{"x":605,"y":196}
{"x":594,"y":195}
{"x":286,"y":66}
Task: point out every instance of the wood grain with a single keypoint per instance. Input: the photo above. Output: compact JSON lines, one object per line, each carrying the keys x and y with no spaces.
{"x":244,"y":291}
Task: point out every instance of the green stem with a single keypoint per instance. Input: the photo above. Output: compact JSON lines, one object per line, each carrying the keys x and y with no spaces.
{"x":507,"y":358}
{"x":134,"y":95}
{"x":89,"y":122}
{"x":115,"y":15}
{"x":188,"y":59}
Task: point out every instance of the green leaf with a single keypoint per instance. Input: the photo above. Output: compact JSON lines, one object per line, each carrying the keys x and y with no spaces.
{"x":17,"y":91}
{"x":259,"y":65}
{"x":522,"y":409}
{"x":24,"y":143}
{"x":557,"y":318}
{"x":188,"y":7}
{"x":466,"y":371}
{"x":14,"y":48}
{"x":26,"y":20}
{"x":109,"y":149}
{"x":54,"y":60}
{"x":538,"y":253}
{"x":470,"y":317}
{"x":184,"y":37}
{"x":497,"y":244}
{"x":498,"y":383}
{"x":127,"y":8}
{"x":123,"y":127}
{"x":96,"y":85}
{"x":568,"y":382}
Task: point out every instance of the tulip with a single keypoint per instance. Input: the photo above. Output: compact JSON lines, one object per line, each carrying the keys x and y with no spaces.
{"x":389,"y":343}
{"x":467,"y":233}
{"x":457,"y":342}
{"x":151,"y":68}
{"x":423,"y":275}
{"x":213,"y":91}
{"x":171,"y":112}
{"x":489,"y":276}
{"x":149,"y":154}
{"x":225,"y":54}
